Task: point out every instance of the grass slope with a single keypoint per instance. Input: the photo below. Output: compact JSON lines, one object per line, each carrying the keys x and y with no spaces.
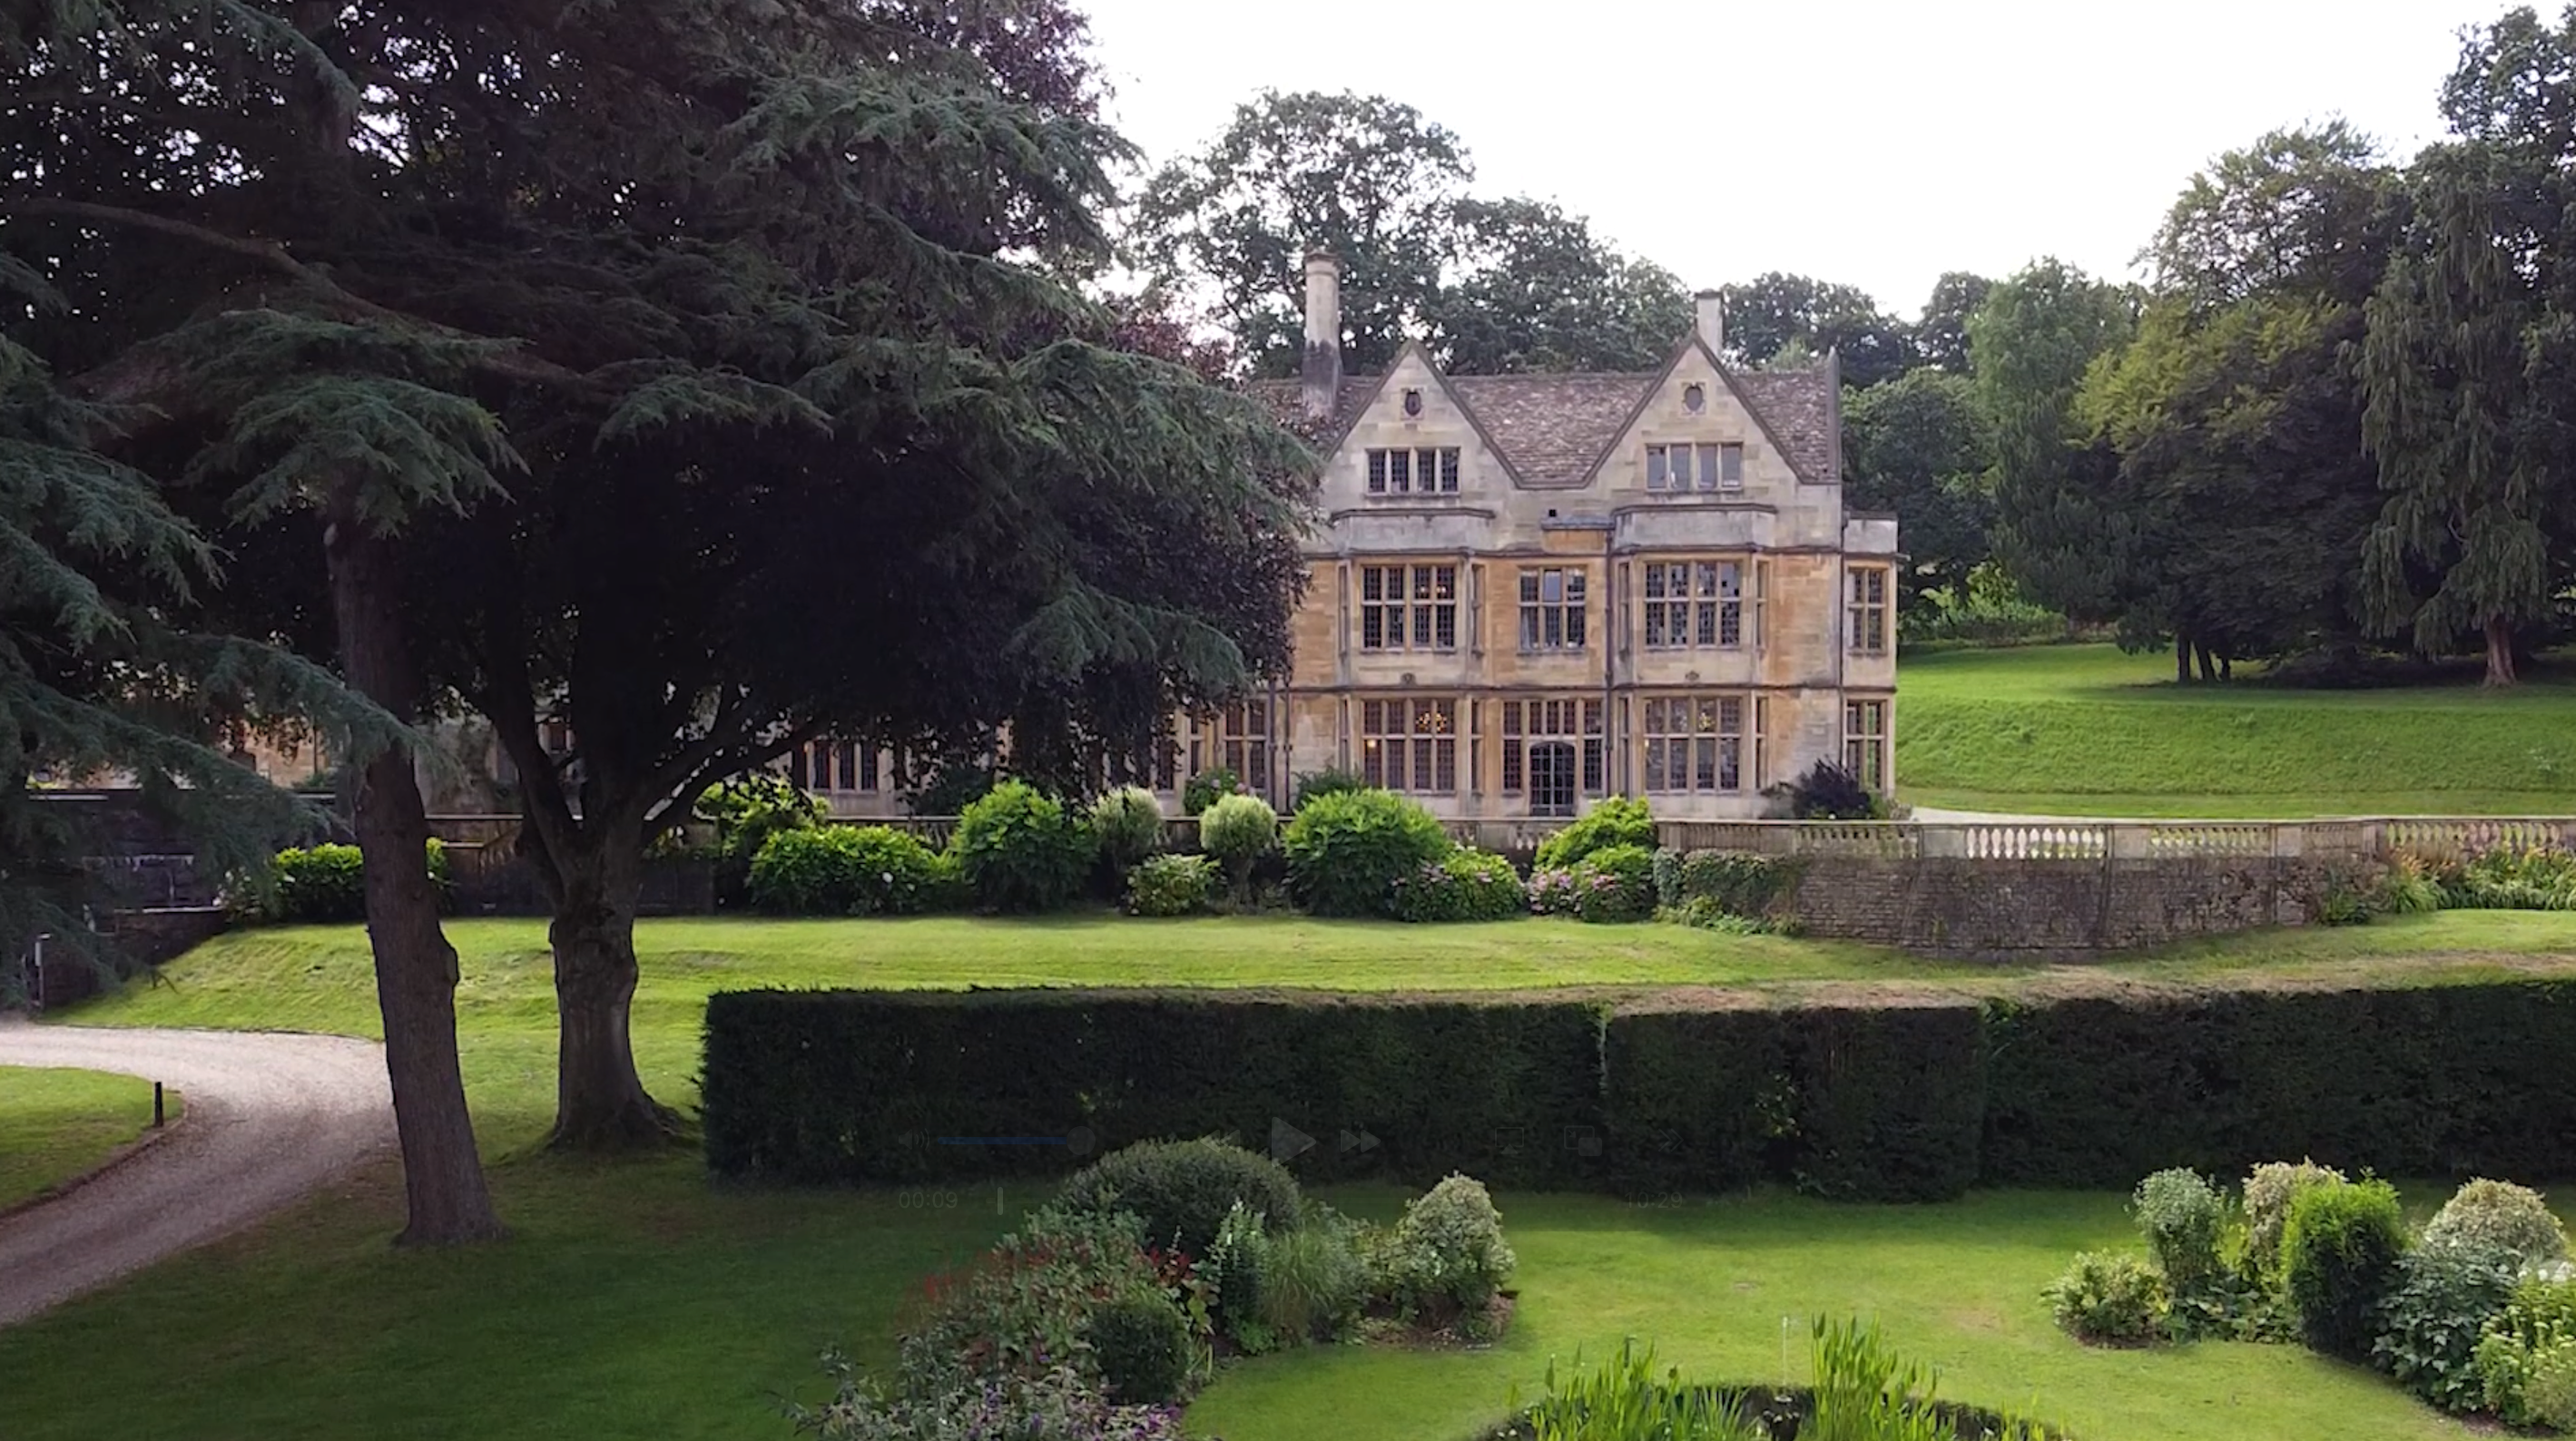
{"x":635,"y":1300}
{"x":2086,"y":730}
{"x":57,"y":1124}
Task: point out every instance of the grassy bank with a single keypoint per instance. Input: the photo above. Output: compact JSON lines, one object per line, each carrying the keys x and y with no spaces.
{"x":56,"y":1125}
{"x":2086,"y":730}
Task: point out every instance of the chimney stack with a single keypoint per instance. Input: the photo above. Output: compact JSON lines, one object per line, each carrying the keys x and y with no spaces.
{"x":1712,"y":320}
{"x":1323,"y":369}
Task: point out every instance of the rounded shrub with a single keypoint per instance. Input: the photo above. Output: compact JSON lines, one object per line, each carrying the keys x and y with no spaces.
{"x":1020,"y":850}
{"x":1127,"y":826}
{"x":1346,"y":851}
{"x":1141,"y":1342}
{"x":1237,"y":831}
{"x":1612,"y":821}
{"x":1615,"y":885}
{"x":1204,"y":789}
{"x":1466,"y":885}
{"x":1182,"y":1190}
{"x":1170,"y":886}
{"x":2503,"y":1215}
{"x":2182,"y":1215}
{"x":2269,"y":1189}
{"x":2430,"y":1324}
{"x":2109,"y":1299}
{"x":2339,"y":1254}
{"x":850,"y":871}
{"x":314,"y":884}
{"x":1449,"y":1257}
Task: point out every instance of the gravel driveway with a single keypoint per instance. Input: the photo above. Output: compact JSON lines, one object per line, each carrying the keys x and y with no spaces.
{"x":269,"y":1117}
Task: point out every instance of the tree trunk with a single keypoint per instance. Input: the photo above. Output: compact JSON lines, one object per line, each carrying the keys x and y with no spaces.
{"x":2208,"y":666}
{"x":415,"y":966}
{"x":2500,"y":669}
{"x":600,"y":1101}
{"x":2182,"y":659}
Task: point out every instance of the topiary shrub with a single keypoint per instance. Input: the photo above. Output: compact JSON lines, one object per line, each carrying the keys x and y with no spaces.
{"x":1170,"y":886}
{"x":2339,"y":1254}
{"x":851,"y":871}
{"x":1141,"y":1342}
{"x":2108,"y":1299}
{"x":1346,"y":851}
{"x":1208,"y":787}
{"x":1615,"y":885}
{"x":2181,"y":1215}
{"x":1020,"y":850}
{"x":2526,"y":1358}
{"x":2269,"y":1189}
{"x":1127,"y":826}
{"x":1447,"y":1256}
{"x":1330,"y":781}
{"x":2503,"y":1215}
{"x":1466,"y":885}
{"x":2430,"y":1325}
{"x":328,"y":883}
{"x":1182,"y":1190}
{"x":1238,"y":831}
{"x":1612,"y":821}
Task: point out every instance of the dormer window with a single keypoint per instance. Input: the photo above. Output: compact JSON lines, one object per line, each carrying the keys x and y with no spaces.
{"x":1673,"y":469}
{"x":1412,"y":404}
{"x":1694,"y":397}
{"x":1419,"y":470}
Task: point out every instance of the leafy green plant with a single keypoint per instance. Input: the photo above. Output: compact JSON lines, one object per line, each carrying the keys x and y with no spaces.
{"x":1238,"y":830}
{"x":2500,"y":1214}
{"x":1830,"y":791}
{"x":2269,"y":1190}
{"x":2516,"y":878}
{"x":1612,"y":821}
{"x":1142,"y":1344}
{"x":2408,"y":886}
{"x":1623,"y":1399}
{"x":1170,"y":885}
{"x":851,"y":871}
{"x":1330,"y":781}
{"x":1024,"y":1307}
{"x":2109,"y":1298}
{"x":1208,"y":787}
{"x":1232,"y":1268}
{"x":1127,"y":826}
{"x":1701,"y":913}
{"x":2182,"y":1216}
{"x":1866,"y":1392}
{"x":2430,"y":1325}
{"x":1020,"y":850}
{"x":1448,"y":1257}
{"x":1615,"y":885}
{"x":2532,"y":1339}
{"x":1060,"y":1404}
{"x":1181,"y":1191}
{"x":1466,"y":885}
{"x":2339,"y":1253}
{"x":1346,"y":851}
{"x":1737,"y":882}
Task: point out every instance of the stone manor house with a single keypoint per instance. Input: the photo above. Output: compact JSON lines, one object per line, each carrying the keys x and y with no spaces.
{"x":1531,"y":591}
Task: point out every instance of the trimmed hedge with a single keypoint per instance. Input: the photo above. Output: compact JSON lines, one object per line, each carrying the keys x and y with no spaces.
{"x":895,"y":1086}
{"x":1896,"y":1103}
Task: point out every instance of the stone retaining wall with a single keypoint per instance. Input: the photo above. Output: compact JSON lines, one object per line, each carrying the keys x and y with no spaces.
{"x":2035,"y":908}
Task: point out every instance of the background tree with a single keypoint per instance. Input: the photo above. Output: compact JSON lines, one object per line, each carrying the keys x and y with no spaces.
{"x":2469,"y":367}
{"x":1919,"y":445}
{"x":1941,"y":337}
{"x":1366,"y":178}
{"x":2057,"y":529}
{"x":1770,"y":313}
{"x":1535,"y":290}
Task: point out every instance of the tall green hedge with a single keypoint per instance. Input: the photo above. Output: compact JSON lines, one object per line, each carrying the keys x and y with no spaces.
{"x":854,"y":1085}
{"x":1896,"y":1103}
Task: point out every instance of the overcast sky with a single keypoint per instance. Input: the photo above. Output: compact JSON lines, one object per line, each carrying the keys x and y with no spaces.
{"x":1877,"y":142}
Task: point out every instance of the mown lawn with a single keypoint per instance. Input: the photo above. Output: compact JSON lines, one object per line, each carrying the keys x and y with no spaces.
{"x":637,"y":1300}
{"x":2086,"y":730}
{"x":56,"y":1124}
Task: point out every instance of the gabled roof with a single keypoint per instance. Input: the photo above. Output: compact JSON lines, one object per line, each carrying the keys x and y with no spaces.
{"x":1556,"y":430}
